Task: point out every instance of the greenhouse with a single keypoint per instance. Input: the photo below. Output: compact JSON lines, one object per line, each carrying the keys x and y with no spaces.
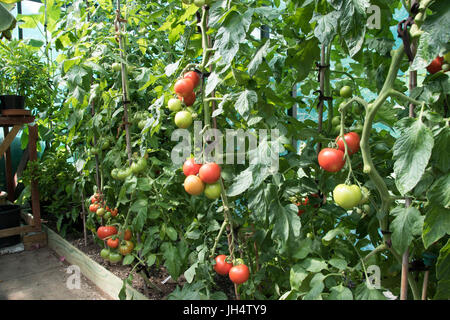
{"x":225,"y":150}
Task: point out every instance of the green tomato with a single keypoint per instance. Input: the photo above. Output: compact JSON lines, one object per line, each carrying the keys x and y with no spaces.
{"x":381,"y":149}
{"x":122,"y":174}
{"x":213,"y":191}
{"x":115,"y":257}
{"x":445,"y":67}
{"x":139,"y":166}
{"x":347,"y":196}
{"x":183,"y":119}
{"x":309,"y":235}
{"x":337,"y":129}
{"x":116,"y":66}
{"x":141,"y":124}
{"x":114,"y":173}
{"x":345,"y":92}
{"x":174,"y":104}
{"x":107,"y":216}
{"x":94,"y":151}
{"x":105,"y":253}
{"x":100,"y":212}
{"x":199,"y":3}
{"x":447,"y":57}
{"x":336,"y":121}
{"x":105,"y":144}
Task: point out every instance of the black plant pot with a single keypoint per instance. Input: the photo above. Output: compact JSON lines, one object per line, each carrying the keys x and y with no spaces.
{"x":12,"y":102}
{"x":9,"y":218}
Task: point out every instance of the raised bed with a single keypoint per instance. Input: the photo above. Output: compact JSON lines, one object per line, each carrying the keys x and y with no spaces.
{"x":100,"y":276}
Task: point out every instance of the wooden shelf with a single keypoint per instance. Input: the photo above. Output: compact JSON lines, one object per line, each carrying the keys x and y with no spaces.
{"x":17,"y":122}
{"x":10,"y":121}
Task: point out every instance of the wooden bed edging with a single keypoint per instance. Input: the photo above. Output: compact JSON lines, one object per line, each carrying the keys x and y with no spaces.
{"x":101,"y":277}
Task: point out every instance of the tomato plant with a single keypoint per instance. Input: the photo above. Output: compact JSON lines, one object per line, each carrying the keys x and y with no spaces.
{"x":316,"y":70}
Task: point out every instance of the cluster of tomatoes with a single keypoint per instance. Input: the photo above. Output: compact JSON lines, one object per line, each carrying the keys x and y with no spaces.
{"x":333,"y":160}
{"x":118,"y":244}
{"x":439,"y":63}
{"x":238,"y":272}
{"x":303,"y":205}
{"x":137,"y":166}
{"x":99,"y":207}
{"x":202,"y":178}
{"x":184,"y":88}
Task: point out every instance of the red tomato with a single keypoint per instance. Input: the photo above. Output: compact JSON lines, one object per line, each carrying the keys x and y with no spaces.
{"x":352,"y":140}
{"x":113,"y":243}
{"x":94,"y":207}
{"x":188,"y":99}
{"x":190,"y":167}
{"x":114,"y":212}
{"x":222,"y":267}
{"x":239,"y":274}
{"x":126,"y":235}
{"x":193,"y":185}
{"x":331,"y":160}
{"x":106,"y":231}
{"x":305,"y":202}
{"x":209,"y":172}
{"x":435,"y":65}
{"x":193,"y":75}
{"x":184,"y":87}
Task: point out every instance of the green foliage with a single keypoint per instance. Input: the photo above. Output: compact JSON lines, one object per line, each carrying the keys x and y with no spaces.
{"x":322,"y":253}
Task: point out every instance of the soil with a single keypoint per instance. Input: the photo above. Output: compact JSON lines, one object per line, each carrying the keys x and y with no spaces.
{"x":156,"y":289}
{"x":156,"y":275}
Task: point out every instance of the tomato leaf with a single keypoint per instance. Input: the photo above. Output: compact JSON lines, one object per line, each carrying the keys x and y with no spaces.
{"x":436,"y":225}
{"x":439,"y":191}
{"x":245,"y":101}
{"x":129,"y":258}
{"x":232,"y":32}
{"x":441,"y":151}
{"x":363,"y":292}
{"x":314,"y":265}
{"x":412,"y":150}
{"x":317,"y":286}
{"x":340,"y":293}
{"x":297,"y":275}
{"x":241,"y":183}
{"x":326,"y":27}
{"x":443,"y":272}
{"x":286,"y":222}
{"x":407,"y":223}
{"x":258,"y":58}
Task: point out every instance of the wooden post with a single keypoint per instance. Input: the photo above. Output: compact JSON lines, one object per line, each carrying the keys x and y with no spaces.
{"x":36,"y":209}
{"x":425,"y":285}
{"x":8,"y":169}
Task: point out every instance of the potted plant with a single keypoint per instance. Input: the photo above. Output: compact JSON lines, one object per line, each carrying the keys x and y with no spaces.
{"x":24,"y":78}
